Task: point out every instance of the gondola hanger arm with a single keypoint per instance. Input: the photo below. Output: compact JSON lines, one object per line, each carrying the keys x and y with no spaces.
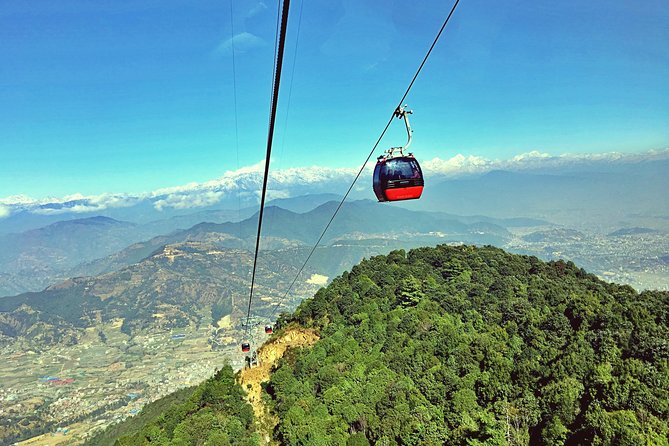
{"x":403,"y":113}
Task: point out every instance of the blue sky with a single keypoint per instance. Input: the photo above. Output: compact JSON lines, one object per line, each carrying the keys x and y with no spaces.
{"x":129,"y":96}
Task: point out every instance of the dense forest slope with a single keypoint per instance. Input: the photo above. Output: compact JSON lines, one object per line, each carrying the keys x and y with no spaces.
{"x":470,"y":346}
{"x":215,"y":414}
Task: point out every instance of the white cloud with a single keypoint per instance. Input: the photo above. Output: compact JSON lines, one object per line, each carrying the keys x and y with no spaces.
{"x":187,"y":200}
{"x":459,"y":164}
{"x":80,"y":204}
{"x":19,"y":199}
{"x":284,"y":183}
{"x":256,"y":9}
{"x":242,"y":42}
{"x":533,"y":155}
{"x":247,"y":181}
{"x":276,"y":194}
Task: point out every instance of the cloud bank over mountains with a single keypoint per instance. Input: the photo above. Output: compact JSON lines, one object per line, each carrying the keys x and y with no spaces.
{"x":242,"y":186}
{"x":461,"y":165}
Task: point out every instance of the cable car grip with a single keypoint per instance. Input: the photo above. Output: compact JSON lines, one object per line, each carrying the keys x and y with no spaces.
{"x":403,"y":113}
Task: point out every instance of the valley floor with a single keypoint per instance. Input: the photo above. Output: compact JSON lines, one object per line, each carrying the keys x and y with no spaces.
{"x":70,"y":392}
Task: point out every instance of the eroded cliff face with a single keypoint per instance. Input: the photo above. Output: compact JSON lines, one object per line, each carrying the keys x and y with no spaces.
{"x":268,"y":355}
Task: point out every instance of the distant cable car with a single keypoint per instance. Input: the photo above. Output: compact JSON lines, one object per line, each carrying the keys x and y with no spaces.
{"x":268,"y":329}
{"x":246,"y":347}
{"x":398,"y":177}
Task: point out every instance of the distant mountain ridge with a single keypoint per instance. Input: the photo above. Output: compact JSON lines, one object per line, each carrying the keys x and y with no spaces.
{"x":285,"y":228}
{"x":40,"y":255}
{"x":632,"y":231}
{"x":145,"y":212}
{"x":586,"y":196}
{"x":554,"y":236}
{"x":99,"y":245}
{"x":182,"y":282}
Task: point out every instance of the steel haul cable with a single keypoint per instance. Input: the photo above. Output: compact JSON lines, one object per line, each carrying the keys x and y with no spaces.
{"x":272,"y":211}
{"x":270,"y":137}
{"x":362,"y":168}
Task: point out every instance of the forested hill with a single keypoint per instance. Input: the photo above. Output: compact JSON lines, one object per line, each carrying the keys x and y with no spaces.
{"x":472,"y":346}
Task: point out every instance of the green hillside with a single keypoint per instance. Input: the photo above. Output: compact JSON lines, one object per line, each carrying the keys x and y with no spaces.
{"x":150,"y":413}
{"x":467,"y":346}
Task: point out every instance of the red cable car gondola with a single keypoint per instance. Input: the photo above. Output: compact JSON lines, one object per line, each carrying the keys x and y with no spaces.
{"x":268,"y":329}
{"x":246,"y":347}
{"x":398,"y":177}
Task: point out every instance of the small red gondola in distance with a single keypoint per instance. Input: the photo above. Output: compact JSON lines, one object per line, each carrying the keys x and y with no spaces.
{"x":246,"y":347}
{"x":268,"y":329}
{"x":398,"y":177}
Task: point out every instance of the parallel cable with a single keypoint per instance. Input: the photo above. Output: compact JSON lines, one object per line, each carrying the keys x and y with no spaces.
{"x":362,"y":168}
{"x":292,"y":75}
{"x":270,"y":138}
{"x":234,"y":101}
